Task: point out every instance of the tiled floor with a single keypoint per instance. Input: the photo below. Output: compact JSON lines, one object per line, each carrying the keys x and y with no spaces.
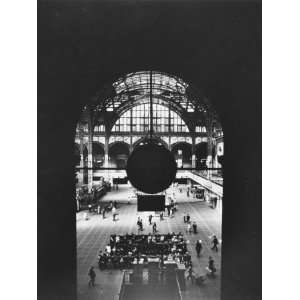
{"x":93,"y":234}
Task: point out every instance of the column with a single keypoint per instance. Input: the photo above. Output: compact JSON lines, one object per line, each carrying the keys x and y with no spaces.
{"x":209,"y":145}
{"x":106,"y":151}
{"x":209,"y":158}
{"x":193,"y":152}
{"x":90,"y":152}
{"x":80,"y":172}
{"x":216,"y":164}
{"x":81,"y":165}
{"x":130,"y":145}
{"x":90,"y":164}
{"x":107,"y":175}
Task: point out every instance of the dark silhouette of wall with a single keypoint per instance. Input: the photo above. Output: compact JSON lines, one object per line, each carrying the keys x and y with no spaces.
{"x":216,"y":47}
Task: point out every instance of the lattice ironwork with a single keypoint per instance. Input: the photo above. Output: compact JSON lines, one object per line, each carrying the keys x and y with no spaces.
{"x":134,"y":88}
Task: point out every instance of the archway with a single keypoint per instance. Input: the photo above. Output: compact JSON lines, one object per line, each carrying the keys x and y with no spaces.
{"x":201,"y":155}
{"x":183,"y":154}
{"x":85,"y":164}
{"x":98,"y":155}
{"x":182,"y":120}
{"x":118,"y":154}
{"x":77,"y":157}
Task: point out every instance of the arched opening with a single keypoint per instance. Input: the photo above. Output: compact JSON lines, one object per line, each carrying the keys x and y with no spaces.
{"x":85,"y":165}
{"x":115,"y":123}
{"x":201,"y":155}
{"x":183,"y":154}
{"x":98,"y":155}
{"x":137,"y":119}
{"x":77,"y":157}
{"x":118,"y":154}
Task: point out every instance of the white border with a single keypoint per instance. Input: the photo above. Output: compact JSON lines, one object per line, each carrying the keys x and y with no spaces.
{"x":281,"y":172}
{"x":18,"y":150}
{"x":281,"y":117}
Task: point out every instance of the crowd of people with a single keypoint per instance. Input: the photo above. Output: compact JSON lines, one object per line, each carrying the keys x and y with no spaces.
{"x":123,"y":250}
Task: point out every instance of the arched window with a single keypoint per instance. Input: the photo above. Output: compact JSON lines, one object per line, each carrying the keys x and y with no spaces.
{"x":137,"y":119}
{"x":99,"y":128}
{"x":200,"y":129}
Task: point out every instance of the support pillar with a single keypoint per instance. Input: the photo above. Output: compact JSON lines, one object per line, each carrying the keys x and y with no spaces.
{"x":130,"y":145}
{"x":106,"y":162}
{"x":106,"y":152}
{"x":80,"y":172}
{"x":209,"y":158}
{"x":209,"y":153}
{"x":193,"y":153}
{"x":216,"y":163}
{"x":90,"y":153}
{"x":90,"y":166}
{"x":209,"y":145}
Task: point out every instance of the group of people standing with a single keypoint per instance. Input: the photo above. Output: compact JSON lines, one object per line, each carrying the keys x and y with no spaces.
{"x":191,"y":226}
{"x":111,"y":207}
{"x":140,"y":224}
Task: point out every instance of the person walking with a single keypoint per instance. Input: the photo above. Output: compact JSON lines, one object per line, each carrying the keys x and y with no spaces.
{"x":114,"y":213}
{"x":189,"y":228}
{"x":215,"y":202}
{"x":92,"y":276}
{"x":154,"y":227}
{"x":171,"y":212}
{"x":188,"y":218}
{"x":139,"y":224}
{"x":198,"y":247}
{"x":161,"y":216}
{"x":150,"y":219}
{"x":211,"y":266}
{"x":215,"y":243}
{"x":191,"y":273}
{"x":194,"y":227}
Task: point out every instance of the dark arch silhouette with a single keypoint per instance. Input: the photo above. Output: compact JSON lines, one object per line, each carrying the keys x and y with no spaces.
{"x":118,"y":154}
{"x":77,"y":154}
{"x":98,"y":154}
{"x":182,"y":152}
{"x":201,"y":155}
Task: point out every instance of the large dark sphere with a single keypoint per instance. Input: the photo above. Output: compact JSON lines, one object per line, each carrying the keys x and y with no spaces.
{"x":151,"y":168}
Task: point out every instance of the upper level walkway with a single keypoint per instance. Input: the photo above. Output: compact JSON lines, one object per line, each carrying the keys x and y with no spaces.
{"x":209,"y":184}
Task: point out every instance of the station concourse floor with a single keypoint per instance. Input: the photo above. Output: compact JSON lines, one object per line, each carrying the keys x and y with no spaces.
{"x":93,"y":235}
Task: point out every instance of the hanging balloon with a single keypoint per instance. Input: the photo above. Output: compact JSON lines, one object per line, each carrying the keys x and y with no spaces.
{"x":151,"y":168}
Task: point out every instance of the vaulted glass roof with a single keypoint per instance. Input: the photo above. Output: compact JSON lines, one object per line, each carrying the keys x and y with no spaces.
{"x":134,"y":88}
{"x":140,"y":82}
